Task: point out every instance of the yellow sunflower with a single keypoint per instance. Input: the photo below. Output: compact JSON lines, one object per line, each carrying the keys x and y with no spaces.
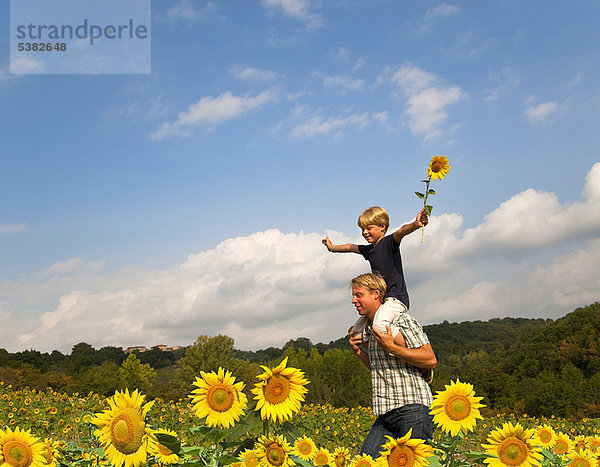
{"x":545,"y":436}
{"x":219,"y":398}
{"x":52,"y":452}
{"x":563,"y":444}
{"x":595,"y":444}
{"x":273,"y":451}
{"x":19,"y":448}
{"x":341,"y":457}
{"x":404,"y":452}
{"x":322,"y":457}
{"x":580,"y":443}
{"x":513,"y":445}
{"x":304,"y":448}
{"x":582,"y":458}
{"x":438,"y":167}
{"x":279,"y":392}
{"x":122,"y":429}
{"x":249,"y":459}
{"x":456,"y":408}
{"x":363,"y":460}
{"x":162,"y":454}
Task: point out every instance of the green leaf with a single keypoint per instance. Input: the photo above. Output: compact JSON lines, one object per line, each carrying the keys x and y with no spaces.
{"x":420,"y":195}
{"x":428,"y":209}
{"x":301,"y":462}
{"x":434,"y":461}
{"x":169,"y":441}
{"x":227,"y":459}
{"x":431,"y":191}
{"x":425,"y":181}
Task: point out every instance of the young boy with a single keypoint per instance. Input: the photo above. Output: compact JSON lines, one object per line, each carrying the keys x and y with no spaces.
{"x":383,"y":253}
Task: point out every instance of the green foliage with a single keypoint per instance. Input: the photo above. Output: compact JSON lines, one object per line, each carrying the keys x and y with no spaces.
{"x":208,"y":354}
{"x":134,"y":374}
{"x":533,"y":366}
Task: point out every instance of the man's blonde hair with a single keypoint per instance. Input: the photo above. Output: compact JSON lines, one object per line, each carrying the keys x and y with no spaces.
{"x":371,"y":282}
{"x":374,"y":216}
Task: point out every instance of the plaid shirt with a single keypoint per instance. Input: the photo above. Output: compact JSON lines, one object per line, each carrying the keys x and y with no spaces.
{"x":395,"y":382}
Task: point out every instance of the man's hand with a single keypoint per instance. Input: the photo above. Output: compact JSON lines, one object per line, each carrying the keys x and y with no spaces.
{"x":327,"y":243}
{"x":355,"y":340}
{"x":385,"y":339}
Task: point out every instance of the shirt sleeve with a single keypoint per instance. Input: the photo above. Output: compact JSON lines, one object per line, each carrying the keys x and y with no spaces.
{"x":364,"y":250}
{"x":412,"y":331}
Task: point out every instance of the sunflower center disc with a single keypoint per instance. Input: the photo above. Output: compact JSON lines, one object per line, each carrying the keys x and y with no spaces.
{"x":512,"y":451}
{"x":275,"y":454}
{"x":304,"y":449}
{"x":124,"y":435}
{"x":580,"y":463}
{"x":560,"y":447}
{"x":17,"y":454}
{"x":48,"y":454}
{"x":545,"y":436}
{"x":435,"y":168}
{"x":220,"y":398}
{"x":401,"y":456}
{"x":320,"y":459}
{"x":458,"y":408}
{"x":277,"y":389}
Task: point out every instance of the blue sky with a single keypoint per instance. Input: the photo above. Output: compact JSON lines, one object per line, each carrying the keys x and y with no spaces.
{"x":152,"y":208}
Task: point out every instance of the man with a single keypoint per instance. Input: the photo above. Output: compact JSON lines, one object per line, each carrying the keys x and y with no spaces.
{"x":401,"y":396}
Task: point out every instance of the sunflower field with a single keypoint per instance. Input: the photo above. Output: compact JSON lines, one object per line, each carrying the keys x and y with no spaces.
{"x":217,"y":426}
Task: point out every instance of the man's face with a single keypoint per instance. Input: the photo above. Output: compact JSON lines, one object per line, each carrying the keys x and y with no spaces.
{"x":365,"y":301}
{"x":373,"y":233}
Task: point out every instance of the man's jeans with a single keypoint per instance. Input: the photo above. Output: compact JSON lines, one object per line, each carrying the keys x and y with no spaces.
{"x":396,"y":424}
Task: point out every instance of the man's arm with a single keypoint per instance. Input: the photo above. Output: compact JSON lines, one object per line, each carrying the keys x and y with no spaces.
{"x":421,"y":357}
{"x":355,"y":341}
{"x":421,"y":220}
{"x":345,"y":248}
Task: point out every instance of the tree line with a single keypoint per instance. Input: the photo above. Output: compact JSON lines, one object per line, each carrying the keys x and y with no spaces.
{"x":534,"y":366}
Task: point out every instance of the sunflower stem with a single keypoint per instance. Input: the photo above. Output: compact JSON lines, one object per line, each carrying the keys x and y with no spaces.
{"x":266,"y":427}
{"x":424,"y":205}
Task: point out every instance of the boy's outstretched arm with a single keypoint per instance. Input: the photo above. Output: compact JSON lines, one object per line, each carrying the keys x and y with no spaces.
{"x":345,"y":248}
{"x":420,"y":221}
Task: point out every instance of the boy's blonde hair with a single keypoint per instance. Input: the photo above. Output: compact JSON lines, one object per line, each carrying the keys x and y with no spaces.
{"x":371,"y":282}
{"x":374,"y":216}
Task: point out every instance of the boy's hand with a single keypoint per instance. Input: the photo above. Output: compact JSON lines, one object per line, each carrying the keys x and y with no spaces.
{"x":422,"y":218}
{"x":327,"y":243}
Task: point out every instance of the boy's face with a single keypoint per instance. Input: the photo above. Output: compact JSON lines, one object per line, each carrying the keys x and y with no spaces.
{"x":373,"y":233}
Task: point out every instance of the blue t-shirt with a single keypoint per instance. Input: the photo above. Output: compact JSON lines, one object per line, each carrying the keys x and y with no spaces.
{"x":385,"y":259}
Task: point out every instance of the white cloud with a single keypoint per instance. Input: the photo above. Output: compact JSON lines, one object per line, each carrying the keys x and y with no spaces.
{"x":342,"y":83}
{"x":211,"y":111}
{"x":186,"y":10}
{"x":443,"y":10}
{"x":26,"y":65}
{"x":253,"y":74}
{"x":298,"y":9}
{"x":269,"y":287}
{"x":425,"y":97}
{"x":10,"y":228}
{"x":317,"y":124}
{"x":537,"y":114}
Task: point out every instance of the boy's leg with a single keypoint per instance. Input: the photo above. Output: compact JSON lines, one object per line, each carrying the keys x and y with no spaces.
{"x":387,"y":314}
{"x":361,"y":325}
